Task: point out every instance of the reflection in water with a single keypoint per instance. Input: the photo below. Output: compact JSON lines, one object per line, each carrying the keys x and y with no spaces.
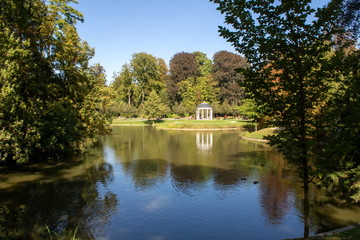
{"x":204,"y":140}
{"x":276,"y":196}
{"x":171,"y":185}
{"x":60,"y":195}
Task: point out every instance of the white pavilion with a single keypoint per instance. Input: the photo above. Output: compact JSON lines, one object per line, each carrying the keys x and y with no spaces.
{"x":204,"y":112}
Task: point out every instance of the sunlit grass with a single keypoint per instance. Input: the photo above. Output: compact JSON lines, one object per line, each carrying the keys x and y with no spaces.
{"x":186,"y":124}
{"x":261,"y":133}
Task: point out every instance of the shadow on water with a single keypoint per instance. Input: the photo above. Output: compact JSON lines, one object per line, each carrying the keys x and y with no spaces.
{"x":58,"y":195}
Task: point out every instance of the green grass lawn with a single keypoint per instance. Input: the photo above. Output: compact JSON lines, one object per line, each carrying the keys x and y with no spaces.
{"x":261,"y":133}
{"x":186,"y":124}
{"x":353,"y":234}
{"x":130,"y":121}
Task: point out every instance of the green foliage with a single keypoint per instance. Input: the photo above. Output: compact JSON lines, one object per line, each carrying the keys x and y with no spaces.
{"x":229,"y":80}
{"x":339,"y":158}
{"x":182,"y":66}
{"x":190,"y":81}
{"x":194,"y":91}
{"x":119,"y":108}
{"x":47,"y":98}
{"x":164,"y":70}
{"x":135,"y":81}
{"x":182,"y":110}
{"x":287,"y":44}
{"x":123,"y":85}
{"x":146,"y":74}
{"x":153,"y":107}
{"x":250,"y":109}
{"x":204,"y":64}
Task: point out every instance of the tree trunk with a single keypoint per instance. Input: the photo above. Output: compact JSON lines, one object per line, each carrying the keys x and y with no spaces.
{"x":306,"y":205}
{"x":129,"y":98}
{"x":304,"y":148}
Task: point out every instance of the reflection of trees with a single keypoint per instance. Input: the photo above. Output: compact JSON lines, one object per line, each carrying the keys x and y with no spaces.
{"x":138,"y":149}
{"x":228,"y":177}
{"x":63,"y":196}
{"x":147,"y":172}
{"x":188,"y":178}
{"x":275,"y":188}
{"x":146,"y":154}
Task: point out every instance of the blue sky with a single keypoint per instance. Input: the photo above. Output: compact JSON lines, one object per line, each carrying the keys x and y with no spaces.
{"x":119,"y":28}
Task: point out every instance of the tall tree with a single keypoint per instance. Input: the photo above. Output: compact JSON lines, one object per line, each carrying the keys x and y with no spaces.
{"x":339,"y":158}
{"x":123,"y":84}
{"x":286,"y":43}
{"x":146,"y":74}
{"x":47,"y":98}
{"x":164,"y":70}
{"x":229,"y":79}
{"x":153,"y":107}
{"x":182,"y":66}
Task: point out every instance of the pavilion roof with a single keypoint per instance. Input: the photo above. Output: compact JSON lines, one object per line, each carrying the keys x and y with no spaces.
{"x":204,"y":105}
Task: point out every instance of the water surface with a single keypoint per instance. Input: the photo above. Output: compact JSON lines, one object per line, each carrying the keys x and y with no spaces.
{"x":144,"y":183}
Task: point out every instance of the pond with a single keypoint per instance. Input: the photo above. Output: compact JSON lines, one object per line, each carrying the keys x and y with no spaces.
{"x":146,"y":183}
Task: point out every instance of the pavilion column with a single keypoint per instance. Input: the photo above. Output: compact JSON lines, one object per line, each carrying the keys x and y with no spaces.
{"x":204,"y":112}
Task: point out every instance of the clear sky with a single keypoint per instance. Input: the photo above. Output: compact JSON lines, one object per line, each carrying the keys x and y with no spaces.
{"x":119,"y":28}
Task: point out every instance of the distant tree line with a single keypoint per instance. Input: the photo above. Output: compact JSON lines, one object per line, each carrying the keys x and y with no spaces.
{"x":176,"y":90}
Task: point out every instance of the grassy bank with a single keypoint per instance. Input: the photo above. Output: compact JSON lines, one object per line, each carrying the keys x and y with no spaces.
{"x":259,"y":135}
{"x":353,"y":234}
{"x":131,"y":122}
{"x":186,"y":124}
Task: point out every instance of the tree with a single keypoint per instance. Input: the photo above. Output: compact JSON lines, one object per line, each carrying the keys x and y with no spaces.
{"x":153,"y":107}
{"x":250,"y":109}
{"x":146,"y":74}
{"x":339,"y":158}
{"x":164,"y":70}
{"x":286,"y":44}
{"x":194,"y":91}
{"x":48,"y":99}
{"x":204,"y":64}
{"x":187,"y":92}
{"x":182,"y":66}
{"x":123,"y":84}
{"x":230,"y":81}
{"x":350,"y":17}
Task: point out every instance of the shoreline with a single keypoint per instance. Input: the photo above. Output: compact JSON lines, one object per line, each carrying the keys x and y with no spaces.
{"x":255,"y":139}
{"x":200,"y":129}
{"x":182,"y":129}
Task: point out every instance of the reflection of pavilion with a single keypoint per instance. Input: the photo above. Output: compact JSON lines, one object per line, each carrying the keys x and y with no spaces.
{"x":204,"y":140}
